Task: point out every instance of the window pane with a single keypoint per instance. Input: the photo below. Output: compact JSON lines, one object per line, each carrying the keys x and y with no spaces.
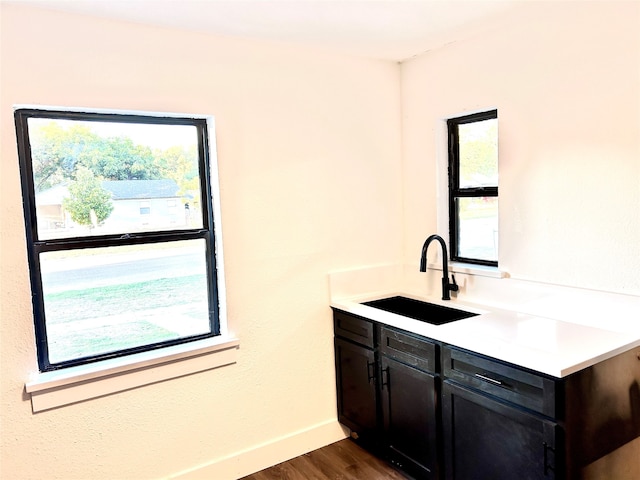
{"x":478,"y":143}
{"x":91,"y":177}
{"x":108,"y":299}
{"x":478,"y":228}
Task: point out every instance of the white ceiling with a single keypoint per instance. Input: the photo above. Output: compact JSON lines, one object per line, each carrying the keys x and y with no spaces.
{"x":385,"y":29}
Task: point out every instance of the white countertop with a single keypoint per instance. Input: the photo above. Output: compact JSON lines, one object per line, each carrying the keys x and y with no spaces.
{"x":554,"y":346}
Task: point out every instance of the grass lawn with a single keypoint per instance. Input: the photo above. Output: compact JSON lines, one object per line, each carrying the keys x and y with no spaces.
{"x":106,"y":319}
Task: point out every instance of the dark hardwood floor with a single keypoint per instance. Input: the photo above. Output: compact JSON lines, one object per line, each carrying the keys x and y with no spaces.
{"x":343,"y":460}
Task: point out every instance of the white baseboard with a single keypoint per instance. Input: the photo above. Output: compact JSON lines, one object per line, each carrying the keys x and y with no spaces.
{"x":266,"y":454}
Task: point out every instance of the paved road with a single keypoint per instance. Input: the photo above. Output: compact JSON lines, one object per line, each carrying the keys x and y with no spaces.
{"x":120,"y":270}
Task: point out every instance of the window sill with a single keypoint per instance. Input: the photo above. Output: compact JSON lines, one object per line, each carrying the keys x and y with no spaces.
{"x":472,"y":269}
{"x":63,"y":387}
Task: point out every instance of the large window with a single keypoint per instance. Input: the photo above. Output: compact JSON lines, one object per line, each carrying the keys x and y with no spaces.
{"x":120,"y":232}
{"x":473,"y":188}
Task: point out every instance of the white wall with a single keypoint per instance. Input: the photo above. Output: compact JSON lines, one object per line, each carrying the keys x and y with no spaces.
{"x":565,"y":78}
{"x":308,"y":147}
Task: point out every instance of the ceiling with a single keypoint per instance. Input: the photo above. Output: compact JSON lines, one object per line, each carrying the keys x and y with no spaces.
{"x":385,"y":29}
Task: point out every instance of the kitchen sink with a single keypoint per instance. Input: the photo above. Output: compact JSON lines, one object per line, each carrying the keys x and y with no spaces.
{"x":418,"y":310}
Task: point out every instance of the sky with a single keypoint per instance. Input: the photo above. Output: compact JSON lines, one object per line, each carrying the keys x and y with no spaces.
{"x":152,"y":135}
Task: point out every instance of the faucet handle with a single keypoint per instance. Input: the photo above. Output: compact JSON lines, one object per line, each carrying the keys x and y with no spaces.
{"x":453,"y":286}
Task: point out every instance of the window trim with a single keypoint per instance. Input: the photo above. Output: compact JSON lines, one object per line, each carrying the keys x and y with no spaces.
{"x":454,"y":190}
{"x":210,"y":231}
{"x":71,"y":385}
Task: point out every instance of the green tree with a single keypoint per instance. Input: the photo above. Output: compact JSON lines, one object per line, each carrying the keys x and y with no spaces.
{"x":57,"y":150}
{"x":478,"y":151}
{"x":86,"y":195}
{"x":118,"y":158}
{"x":180,"y":164}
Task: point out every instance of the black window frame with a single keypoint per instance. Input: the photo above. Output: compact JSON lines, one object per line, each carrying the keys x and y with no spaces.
{"x":36,"y":246}
{"x":455,"y":191}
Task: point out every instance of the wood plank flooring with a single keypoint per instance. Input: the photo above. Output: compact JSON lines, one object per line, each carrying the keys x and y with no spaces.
{"x":343,"y":460}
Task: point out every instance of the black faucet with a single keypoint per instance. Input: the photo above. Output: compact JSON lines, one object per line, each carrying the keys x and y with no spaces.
{"x":446,"y":286}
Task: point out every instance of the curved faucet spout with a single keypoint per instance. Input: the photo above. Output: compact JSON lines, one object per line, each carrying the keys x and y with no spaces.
{"x":446,"y":285}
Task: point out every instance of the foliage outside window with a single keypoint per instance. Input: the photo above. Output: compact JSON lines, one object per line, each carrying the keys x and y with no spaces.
{"x":120,"y":232}
{"x":473,"y":188}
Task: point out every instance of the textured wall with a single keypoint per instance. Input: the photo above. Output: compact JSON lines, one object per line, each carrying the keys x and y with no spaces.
{"x":309,"y":148}
{"x":565,"y":78}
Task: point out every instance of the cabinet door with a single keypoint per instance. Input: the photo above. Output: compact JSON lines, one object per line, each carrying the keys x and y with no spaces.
{"x":489,"y":440}
{"x":410,"y":421}
{"x":356,"y":387}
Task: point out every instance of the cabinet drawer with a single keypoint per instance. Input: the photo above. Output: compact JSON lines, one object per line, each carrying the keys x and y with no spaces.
{"x":510,"y":383}
{"x":413,"y":350}
{"x":353,"y":328}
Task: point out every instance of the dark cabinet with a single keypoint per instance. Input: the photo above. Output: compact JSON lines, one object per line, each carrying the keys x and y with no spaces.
{"x":501,"y":421}
{"x":387,"y":392}
{"x":439,"y":411}
{"x":354,"y":329}
{"x":511,"y":384}
{"x":355,"y":376}
{"x":409,"y":418}
{"x":409,"y":397}
{"x":486,"y":439}
{"x":498,"y":420}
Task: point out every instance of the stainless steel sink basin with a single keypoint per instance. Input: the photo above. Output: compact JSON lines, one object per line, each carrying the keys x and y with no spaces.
{"x":424,"y":311}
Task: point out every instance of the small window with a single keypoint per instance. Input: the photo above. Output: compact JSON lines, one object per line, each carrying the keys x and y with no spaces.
{"x":145,"y":208}
{"x":473,"y":188}
{"x":104,"y":283}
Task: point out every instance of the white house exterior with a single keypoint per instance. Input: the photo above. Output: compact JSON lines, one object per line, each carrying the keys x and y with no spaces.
{"x":137,"y":205}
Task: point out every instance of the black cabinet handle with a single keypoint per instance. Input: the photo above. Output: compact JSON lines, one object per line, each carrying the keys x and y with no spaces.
{"x":384,"y":373}
{"x":489,"y":379}
{"x":547,"y":468}
{"x":371,"y":372}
